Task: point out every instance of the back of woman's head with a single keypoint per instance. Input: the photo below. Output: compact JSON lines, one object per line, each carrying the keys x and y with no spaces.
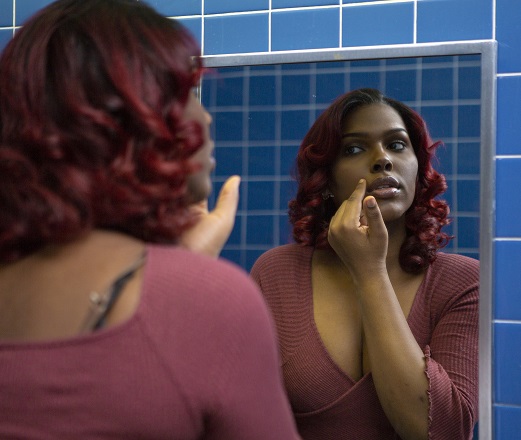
{"x":92,"y":95}
{"x":310,"y":214}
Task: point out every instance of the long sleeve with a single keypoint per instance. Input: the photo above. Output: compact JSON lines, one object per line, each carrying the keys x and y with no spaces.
{"x":452,"y":352}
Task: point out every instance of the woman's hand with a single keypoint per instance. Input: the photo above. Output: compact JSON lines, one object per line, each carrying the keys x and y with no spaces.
{"x":358,"y":235}
{"x":211,"y":231}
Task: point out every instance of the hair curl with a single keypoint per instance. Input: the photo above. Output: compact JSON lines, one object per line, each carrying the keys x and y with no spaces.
{"x":310,"y":214}
{"x":92,"y":135}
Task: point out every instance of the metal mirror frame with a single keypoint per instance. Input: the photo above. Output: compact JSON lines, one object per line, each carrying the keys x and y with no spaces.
{"x":487,"y":49}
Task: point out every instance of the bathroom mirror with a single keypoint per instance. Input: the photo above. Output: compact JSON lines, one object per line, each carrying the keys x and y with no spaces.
{"x":263,"y":104}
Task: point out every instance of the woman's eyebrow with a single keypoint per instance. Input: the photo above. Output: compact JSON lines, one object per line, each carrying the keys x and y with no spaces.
{"x":364,"y":134}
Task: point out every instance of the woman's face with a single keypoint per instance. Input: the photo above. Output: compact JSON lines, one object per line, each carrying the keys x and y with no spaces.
{"x":199,"y":183}
{"x":376,"y":147}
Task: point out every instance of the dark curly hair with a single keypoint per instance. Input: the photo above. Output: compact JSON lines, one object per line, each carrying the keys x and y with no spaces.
{"x":310,"y":214}
{"x":92,"y":95}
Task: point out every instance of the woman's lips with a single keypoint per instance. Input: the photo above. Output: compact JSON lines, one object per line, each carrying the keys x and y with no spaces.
{"x":384,"y":193}
{"x":383,"y":187}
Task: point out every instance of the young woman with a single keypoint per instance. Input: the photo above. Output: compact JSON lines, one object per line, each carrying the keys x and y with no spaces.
{"x":378,"y":330}
{"x":109,"y":326}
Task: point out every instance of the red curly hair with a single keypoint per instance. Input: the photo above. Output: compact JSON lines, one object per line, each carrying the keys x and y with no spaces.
{"x":310,"y":214}
{"x":92,"y":95}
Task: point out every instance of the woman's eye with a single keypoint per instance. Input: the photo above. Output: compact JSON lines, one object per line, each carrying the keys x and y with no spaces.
{"x":349,"y":150}
{"x":397,"y":146}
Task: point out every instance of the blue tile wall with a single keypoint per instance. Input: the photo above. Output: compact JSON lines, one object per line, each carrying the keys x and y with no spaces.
{"x":509,"y":115}
{"x":454,"y":20}
{"x":194,"y":25}
{"x":220,"y":7}
{"x":508,"y":422}
{"x":179,"y":7}
{"x":508,"y":280}
{"x":508,"y":33}
{"x":304,"y":29}
{"x":508,"y":198}
{"x":24,"y":9}
{"x":236,"y":33}
{"x":508,"y":372}
{"x":5,"y":36}
{"x":391,"y":24}
{"x":277,"y":4}
{"x":6,"y":13}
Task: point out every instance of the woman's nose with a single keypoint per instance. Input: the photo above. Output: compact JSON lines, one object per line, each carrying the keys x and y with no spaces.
{"x":382,"y":163}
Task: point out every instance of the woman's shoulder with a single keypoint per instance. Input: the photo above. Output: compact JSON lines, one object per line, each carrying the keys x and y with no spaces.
{"x":209,"y":288}
{"x":456,"y":266}
{"x":452,"y":278}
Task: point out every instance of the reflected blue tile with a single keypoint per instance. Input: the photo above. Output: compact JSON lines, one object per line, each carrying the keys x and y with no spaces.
{"x":395,"y":24}
{"x":508,"y":35}
{"x":329,"y":86}
{"x":439,"y":120}
{"x":507,"y":363}
{"x":6,"y":13}
{"x":507,"y":422}
{"x":358,"y":80}
{"x":194,"y":25}
{"x":469,"y":121}
{"x":229,"y":91}
{"x":229,"y":161}
{"x":220,"y":7}
{"x":453,"y":20}
{"x":236,"y":34}
{"x":24,"y":9}
{"x":228,"y":126}
{"x":297,"y":3}
{"x":468,"y":195}
{"x":261,"y":125}
{"x":468,"y":232}
{"x":297,"y":66}
{"x":235,"y":236}
{"x":294,"y":124}
{"x":437,"y":84}
{"x":288,"y":156}
{"x":508,"y":115}
{"x":469,"y":83}
{"x":260,"y":230}
{"x":262,"y":90}
{"x":508,"y":198}
{"x":507,"y":280}
{"x":296,"y":89}
{"x":251,"y":257}
{"x":412,"y":62}
{"x":232,"y":255}
{"x":366,"y":64}
{"x":305,"y":29}
{"x":261,"y":161}
{"x":261,"y":196}
{"x":285,"y":230}
{"x":177,"y":7}
{"x":401,"y":85}
{"x":469,"y":158}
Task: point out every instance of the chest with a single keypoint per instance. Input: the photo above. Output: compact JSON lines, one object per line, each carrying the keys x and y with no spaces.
{"x":337,"y":317}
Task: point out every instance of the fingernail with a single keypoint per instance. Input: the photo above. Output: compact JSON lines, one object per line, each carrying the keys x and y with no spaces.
{"x":371,"y":202}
